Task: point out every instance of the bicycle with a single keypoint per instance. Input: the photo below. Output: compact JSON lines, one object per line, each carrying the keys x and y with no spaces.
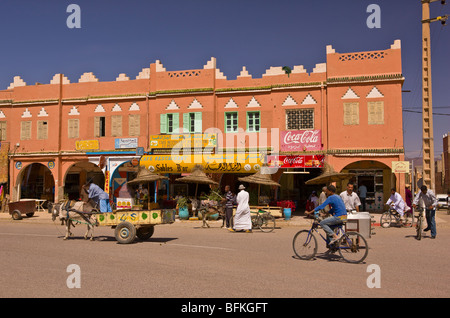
{"x":352,"y":246}
{"x":262,"y":220}
{"x":419,"y":225}
{"x":393,"y":216}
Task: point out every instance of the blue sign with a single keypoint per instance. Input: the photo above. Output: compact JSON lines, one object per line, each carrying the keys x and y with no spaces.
{"x":125,"y":143}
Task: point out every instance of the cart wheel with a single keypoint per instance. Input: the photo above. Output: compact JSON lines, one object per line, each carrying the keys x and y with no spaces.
{"x":16,"y":215}
{"x":145,"y":232}
{"x":125,"y":233}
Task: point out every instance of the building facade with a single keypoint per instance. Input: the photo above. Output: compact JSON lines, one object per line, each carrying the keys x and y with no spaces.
{"x":347,"y":112}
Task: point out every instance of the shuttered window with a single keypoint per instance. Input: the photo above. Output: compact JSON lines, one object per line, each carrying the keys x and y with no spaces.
{"x":169,"y":123}
{"x":99,"y":126}
{"x":42,"y":129}
{"x":25,"y":130}
{"x":134,"y":125}
{"x":253,"y":121}
{"x":73,"y":128}
{"x":351,"y":113}
{"x":192,"y":122}
{"x":2,"y":130}
{"x":375,"y":112}
{"x":116,"y":126}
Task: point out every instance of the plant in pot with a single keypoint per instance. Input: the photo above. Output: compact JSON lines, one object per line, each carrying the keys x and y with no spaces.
{"x":183,"y":211}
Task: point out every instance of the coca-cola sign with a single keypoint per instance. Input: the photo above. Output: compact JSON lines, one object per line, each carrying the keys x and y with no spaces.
{"x":301,"y":140}
{"x":301,"y":161}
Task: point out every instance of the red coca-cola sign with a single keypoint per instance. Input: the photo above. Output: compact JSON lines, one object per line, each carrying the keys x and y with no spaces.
{"x":301,"y":161}
{"x":301,"y":140}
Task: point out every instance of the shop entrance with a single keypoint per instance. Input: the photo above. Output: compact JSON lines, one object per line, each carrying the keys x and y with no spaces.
{"x":78,"y":174}
{"x":36,"y":182}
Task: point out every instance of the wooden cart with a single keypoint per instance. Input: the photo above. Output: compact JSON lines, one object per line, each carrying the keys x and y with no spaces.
{"x":131,"y":223}
{"x":17,"y":209}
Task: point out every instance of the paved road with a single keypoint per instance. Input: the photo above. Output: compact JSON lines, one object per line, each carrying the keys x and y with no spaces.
{"x":185,"y":260}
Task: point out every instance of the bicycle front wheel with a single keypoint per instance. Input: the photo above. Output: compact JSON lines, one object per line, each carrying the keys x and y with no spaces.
{"x":386,"y":219}
{"x":409,"y":219}
{"x":305,"y":245}
{"x":419,"y":228}
{"x":267,"y":223}
{"x":353,"y":247}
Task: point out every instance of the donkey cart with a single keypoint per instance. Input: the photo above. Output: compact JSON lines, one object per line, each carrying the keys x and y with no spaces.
{"x":128,"y":224}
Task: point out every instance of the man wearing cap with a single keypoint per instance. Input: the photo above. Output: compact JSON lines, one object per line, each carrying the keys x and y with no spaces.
{"x":242,"y":219}
{"x":98,"y":196}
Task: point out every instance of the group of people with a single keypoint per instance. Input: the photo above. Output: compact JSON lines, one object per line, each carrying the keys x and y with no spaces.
{"x":242,"y":218}
{"x":339,"y":205}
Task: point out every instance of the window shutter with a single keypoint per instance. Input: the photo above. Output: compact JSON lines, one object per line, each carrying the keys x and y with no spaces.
{"x":116,"y":126}
{"x":198,"y":123}
{"x":163,"y":123}
{"x":25,"y":130}
{"x":176,"y":123}
{"x":2,"y":130}
{"x":186,"y":123}
{"x":73,"y":128}
{"x":134,"y":125}
{"x":42,"y":129}
{"x":97,"y":127}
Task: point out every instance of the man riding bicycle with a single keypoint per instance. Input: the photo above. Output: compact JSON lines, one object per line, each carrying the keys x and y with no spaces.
{"x":338,"y":212}
{"x":397,"y":203}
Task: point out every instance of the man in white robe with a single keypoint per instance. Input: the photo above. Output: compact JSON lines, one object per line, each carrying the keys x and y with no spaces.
{"x":242,"y":218}
{"x":397,"y":203}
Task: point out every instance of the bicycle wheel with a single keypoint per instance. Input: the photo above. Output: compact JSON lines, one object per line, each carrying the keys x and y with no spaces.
{"x":409,"y":219}
{"x":419,"y":228}
{"x":305,"y":245}
{"x":266,"y":223}
{"x":386,"y":219}
{"x":353,"y":247}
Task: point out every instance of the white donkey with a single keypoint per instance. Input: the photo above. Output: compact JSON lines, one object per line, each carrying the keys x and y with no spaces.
{"x":75,"y":211}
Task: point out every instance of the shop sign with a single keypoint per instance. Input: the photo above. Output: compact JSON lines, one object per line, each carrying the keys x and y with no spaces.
{"x":51,"y":164}
{"x":212,"y":163}
{"x":87,"y":145}
{"x":301,"y":140}
{"x":303,"y":161}
{"x":400,"y":166}
{"x":183,"y":141}
{"x":107,"y":177}
{"x":126,"y":143}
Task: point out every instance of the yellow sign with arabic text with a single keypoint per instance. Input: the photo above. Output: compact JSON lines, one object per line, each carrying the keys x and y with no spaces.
{"x":87,"y":145}
{"x":400,"y":166}
{"x":212,"y":163}
{"x":183,"y":141}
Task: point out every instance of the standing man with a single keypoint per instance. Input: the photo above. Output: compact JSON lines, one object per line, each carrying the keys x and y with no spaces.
{"x":408,"y":197}
{"x":362,"y":195}
{"x":229,"y":198}
{"x":98,"y":196}
{"x":322,"y":198}
{"x":430,"y":202}
{"x":242,"y":219}
{"x":350,"y":198}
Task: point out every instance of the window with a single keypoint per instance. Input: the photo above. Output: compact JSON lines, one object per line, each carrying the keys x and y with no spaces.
{"x":192,"y":122}
{"x":73,"y":128}
{"x":42,"y":129}
{"x":25,"y":130}
{"x":231,"y":122}
{"x":134,"y":125}
{"x":297,"y":119}
{"x":2,"y":130}
{"x":253,"y":121}
{"x":351,"y":113}
{"x":116,"y":125}
{"x":99,"y":127}
{"x":375,"y":112}
{"x":169,"y":123}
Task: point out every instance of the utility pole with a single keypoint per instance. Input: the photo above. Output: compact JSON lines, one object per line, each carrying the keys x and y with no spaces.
{"x":427,"y":108}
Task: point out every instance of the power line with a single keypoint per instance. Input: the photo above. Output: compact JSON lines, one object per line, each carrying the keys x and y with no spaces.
{"x":419,"y":112}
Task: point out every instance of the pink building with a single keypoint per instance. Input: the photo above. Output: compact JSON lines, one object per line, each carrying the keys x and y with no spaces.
{"x":346,"y":112}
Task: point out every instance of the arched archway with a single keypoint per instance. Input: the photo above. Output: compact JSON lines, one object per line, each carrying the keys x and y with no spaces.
{"x":36,"y":181}
{"x":78,"y":174}
{"x":377,"y":177}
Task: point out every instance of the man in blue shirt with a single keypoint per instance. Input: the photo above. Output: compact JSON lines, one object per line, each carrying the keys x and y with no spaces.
{"x":338,"y":212}
{"x":98,"y":196}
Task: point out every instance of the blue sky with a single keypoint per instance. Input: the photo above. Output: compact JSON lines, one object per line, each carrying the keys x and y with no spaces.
{"x":126,"y":36}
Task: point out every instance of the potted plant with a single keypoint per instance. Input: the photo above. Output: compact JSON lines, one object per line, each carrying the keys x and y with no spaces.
{"x":182,"y":205}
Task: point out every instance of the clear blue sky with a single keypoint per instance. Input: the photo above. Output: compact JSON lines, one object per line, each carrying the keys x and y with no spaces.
{"x":119,"y":36}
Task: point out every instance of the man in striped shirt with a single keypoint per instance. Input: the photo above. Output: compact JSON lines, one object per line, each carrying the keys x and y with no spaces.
{"x":430,"y":202}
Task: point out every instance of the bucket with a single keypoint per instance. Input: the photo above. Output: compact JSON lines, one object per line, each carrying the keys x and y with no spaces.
{"x":287,"y":213}
{"x":183,"y":213}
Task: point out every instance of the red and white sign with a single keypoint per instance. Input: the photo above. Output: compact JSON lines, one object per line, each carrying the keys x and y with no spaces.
{"x":301,"y":140}
{"x":302,"y":161}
